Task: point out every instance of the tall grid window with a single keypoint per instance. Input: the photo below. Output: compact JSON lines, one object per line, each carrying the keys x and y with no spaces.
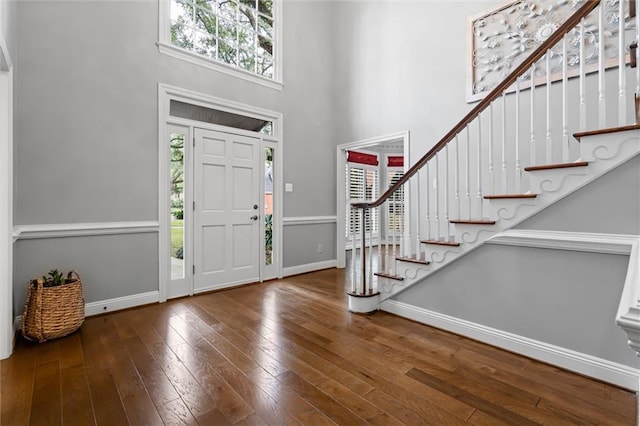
{"x":395,"y":205}
{"x":362,"y":185}
{"x":239,"y":33}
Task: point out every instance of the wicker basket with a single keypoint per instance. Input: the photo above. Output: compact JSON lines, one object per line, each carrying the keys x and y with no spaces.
{"x":52,"y":312}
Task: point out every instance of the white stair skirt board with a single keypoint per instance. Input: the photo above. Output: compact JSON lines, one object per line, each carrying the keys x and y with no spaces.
{"x":605,"y":152}
{"x":610,"y":372}
{"x":109,"y":305}
{"x":308,"y":267}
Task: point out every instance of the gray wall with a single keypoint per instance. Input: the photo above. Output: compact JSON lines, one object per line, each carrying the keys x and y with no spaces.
{"x":87,"y":118}
{"x":610,"y":204}
{"x":571,"y":302}
{"x":303,"y":241}
{"x":110,"y":266}
{"x":401,"y":66}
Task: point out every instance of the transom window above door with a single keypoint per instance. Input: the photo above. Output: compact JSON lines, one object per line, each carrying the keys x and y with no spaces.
{"x":235,"y":36}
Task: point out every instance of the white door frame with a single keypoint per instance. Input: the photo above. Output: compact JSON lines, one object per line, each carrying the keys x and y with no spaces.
{"x":166,"y":93}
{"x":341,"y":159}
{"x":6,"y":211}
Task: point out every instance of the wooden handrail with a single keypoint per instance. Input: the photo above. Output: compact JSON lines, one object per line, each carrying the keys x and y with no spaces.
{"x":569,"y":24}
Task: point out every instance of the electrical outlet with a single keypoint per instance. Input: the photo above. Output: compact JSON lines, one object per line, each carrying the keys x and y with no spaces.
{"x":320,"y":248}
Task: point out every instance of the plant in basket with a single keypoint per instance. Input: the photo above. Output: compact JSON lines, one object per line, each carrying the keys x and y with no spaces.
{"x":54,"y":306}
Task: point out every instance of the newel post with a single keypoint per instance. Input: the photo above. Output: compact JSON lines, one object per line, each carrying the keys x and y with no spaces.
{"x":363,"y":298}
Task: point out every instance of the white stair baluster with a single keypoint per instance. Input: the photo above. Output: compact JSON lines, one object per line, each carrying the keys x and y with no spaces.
{"x":565,"y":104}
{"x":491,"y":171}
{"x":428,"y":193}
{"x":457,"y":177}
{"x":479,"y":174}
{"x":622,"y":67}
{"x":446,"y":190}
{"x":503,"y":147}
{"x":532,"y":140}
{"x":468,"y":174}
{"x":418,"y":244}
{"x":548,"y":139}
{"x":602,"y":88}
{"x":582,"y":78}
{"x":436,"y":191}
{"x":518,"y":171}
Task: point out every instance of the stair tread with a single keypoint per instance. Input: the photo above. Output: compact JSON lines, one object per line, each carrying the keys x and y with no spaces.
{"x":556,"y":166}
{"x":413,"y":260}
{"x":392,"y":277}
{"x":605,"y":131}
{"x":441,"y":243}
{"x":507,"y":196}
{"x":473,"y":221}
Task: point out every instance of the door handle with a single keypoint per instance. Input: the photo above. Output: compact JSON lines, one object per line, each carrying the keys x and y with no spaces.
{"x":254,"y":217}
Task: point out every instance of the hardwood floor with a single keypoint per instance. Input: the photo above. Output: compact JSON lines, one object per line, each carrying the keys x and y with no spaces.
{"x":288,"y":352}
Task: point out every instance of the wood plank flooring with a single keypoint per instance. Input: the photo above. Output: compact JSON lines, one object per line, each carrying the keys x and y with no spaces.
{"x":288,"y":352}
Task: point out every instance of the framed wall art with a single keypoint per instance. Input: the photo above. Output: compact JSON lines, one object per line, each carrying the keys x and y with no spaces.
{"x":501,"y":38}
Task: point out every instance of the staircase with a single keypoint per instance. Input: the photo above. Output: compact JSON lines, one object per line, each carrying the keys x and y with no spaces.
{"x":538,"y":136}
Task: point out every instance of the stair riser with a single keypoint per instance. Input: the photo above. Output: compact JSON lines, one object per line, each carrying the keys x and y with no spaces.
{"x":466,"y":233}
{"x":551,"y":180}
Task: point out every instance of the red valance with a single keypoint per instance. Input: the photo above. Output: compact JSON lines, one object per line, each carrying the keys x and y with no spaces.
{"x":362,"y":158}
{"x":395,"y":161}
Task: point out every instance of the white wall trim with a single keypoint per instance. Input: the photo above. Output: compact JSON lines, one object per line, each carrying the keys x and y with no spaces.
{"x":5,"y":58}
{"x":109,"y":305}
{"x":573,"y":241}
{"x":6,"y":205}
{"x":193,"y":58}
{"x":60,"y":230}
{"x":308,"y":220}
{"x":611,"y":372}
{"x":119,"y":303}
{"x":309,"y":267}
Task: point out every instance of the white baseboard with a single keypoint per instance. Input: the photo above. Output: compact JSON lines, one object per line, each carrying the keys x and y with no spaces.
{"x":109,"y":305}
{"x":309,"y":267}
{"x":119,"y":303}
{"x":607,"y":371}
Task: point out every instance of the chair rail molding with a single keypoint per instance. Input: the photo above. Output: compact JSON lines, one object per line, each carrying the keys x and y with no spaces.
{"x":61,"y":230}
{"x":308,"y":220}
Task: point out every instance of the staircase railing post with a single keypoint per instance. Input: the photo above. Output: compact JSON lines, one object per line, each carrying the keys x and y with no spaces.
{"x":363,"y":278}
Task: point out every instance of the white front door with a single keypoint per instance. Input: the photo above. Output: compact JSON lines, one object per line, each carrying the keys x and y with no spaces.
{"x":226,"y":211}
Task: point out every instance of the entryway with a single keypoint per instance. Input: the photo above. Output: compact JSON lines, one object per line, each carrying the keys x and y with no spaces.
{"x":220,"y":214}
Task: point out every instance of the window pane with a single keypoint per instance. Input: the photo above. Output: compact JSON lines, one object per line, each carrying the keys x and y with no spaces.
{"x":268,"y":205}
{"x":247,"y":18}
{"x":205,"y":20}
{"x":228,"y":10}
{"x":227,"y":53}
{"x":265,"y":7}
{"x":177,"y":205}
{"x":247,"y":40}
{"x":247,"y":61}
{"x":181,"y":35}
{"x":265,"y":26}
{"x":265,"y":65}
{"x":227,"y":31}
{"x":205,"y":44}
{"x":182,"y":11}
{"x":249,"y":3}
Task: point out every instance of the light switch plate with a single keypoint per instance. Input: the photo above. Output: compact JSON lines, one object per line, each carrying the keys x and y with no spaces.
{"x":288,"y":187}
